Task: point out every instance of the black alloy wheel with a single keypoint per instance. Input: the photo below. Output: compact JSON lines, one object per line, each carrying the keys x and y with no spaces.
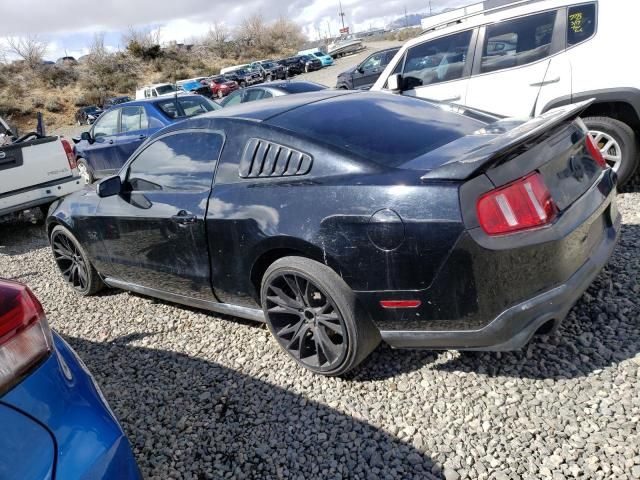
{"x":306,"y":322}
{"x":313,"y":315}
{"x":75,"y":267}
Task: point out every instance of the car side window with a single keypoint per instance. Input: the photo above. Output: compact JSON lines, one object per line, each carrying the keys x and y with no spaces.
{"x":107,"y":124}
{"x":373,"y":62}
{"x":439,"y":60}
{"x":254,"y":94}
{"x":182,"y":161}
{"x":234,"y":99}
{"x":581,"y":23}
{"x":133,"y":119}
{"x":517,"y":42}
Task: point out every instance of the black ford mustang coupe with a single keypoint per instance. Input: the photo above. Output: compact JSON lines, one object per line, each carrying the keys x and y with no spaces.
{"x":346,"y":218}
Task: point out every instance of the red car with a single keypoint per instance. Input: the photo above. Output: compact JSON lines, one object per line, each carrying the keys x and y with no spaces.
{"x":221,"y":87}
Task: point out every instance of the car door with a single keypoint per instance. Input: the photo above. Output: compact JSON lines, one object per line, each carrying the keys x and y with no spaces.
{"x":368,"y":71}
{"x":134,"y":129}
{"x":514,"y":64}
{"x":102,"y":151}
{"x":154,"y":231}
{"x":439,"y":69}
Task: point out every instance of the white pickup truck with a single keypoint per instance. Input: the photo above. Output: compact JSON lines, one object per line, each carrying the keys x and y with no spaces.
{"x":34,"y":170}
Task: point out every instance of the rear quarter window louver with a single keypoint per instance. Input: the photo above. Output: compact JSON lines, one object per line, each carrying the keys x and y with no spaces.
{"x":267,"y":159}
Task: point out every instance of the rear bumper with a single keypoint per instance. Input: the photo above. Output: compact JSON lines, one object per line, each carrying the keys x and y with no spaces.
{"x":514,"y":327}
{"x":496,"y":296}
{"x":61,"y":396}
{"x":39,"y":195}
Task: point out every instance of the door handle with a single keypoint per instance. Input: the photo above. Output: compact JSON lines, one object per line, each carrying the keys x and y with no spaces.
{"x":546,"y":82}
{"x":142,"y":137}
{"x":110,"y":142}
{"x":184,"y":218}
{"x":452,"y":99}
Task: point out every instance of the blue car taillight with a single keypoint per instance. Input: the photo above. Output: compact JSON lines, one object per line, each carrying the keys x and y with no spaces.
{"x":25,"y":336}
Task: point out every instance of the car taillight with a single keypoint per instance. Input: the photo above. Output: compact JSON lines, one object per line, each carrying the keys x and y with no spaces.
{"x":25,"y":337}
{"x":594,"y":151}
{"x":71,"y":156}
{"x":521,"y":205}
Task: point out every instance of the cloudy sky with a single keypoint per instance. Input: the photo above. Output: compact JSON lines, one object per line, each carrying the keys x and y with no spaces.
{"x":69,"y":25}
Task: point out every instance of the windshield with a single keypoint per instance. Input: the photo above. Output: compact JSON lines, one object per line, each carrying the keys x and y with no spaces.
{"x":319,"y":54}
{"x":239,"y":72}
{"x":268,"y":64}
{"x":185,"y":107}
{"x":91,"y":109}
{"x":163,"y":89}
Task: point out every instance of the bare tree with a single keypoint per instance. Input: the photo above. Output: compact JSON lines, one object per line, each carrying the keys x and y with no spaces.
{"x":30,"y":48}
{"x":97,"y":49}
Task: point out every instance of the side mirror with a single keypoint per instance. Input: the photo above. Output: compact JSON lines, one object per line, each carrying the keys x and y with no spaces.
{"x":86,"y":136}
{"x":360,"y":69}
{"x":394,"y":83}
{"x":109,"y":187}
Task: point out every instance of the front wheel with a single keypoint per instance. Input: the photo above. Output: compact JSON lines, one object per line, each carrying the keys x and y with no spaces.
{"x":618,"y":144}
{"x":314,"y":316}
{"x":73,"y":263}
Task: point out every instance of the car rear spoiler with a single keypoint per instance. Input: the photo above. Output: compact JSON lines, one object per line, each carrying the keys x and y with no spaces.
{"x":502,"y":142}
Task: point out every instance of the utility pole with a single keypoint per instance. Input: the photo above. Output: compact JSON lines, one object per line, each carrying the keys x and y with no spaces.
{"x":430,"y":12}
{"x":342,"y":14}
{"x":406,"y":18}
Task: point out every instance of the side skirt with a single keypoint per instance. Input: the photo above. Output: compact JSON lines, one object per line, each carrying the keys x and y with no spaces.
{"x":224,"y":308}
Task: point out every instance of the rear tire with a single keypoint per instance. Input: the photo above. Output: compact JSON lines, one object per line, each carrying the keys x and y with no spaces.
{"x":315,"y":318}
{"x":73,"y":263}
{"x":622,"y":155}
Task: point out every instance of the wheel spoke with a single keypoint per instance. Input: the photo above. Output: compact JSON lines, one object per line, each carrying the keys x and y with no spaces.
{"x":62,"y":254}
{"x":330,"y":349}
{"x":292,"y":328}
{"x":298,"y":337}
{"x":281,"y":307}
{"x":334,"y":327}
{"x":288,"y":301}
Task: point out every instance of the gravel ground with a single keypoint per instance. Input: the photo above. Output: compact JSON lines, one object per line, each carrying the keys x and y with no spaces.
{"x":203,"y":396}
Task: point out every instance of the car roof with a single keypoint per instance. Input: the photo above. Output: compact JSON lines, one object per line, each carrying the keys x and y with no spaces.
{"x":144,"y":101}
{"x":284,"y":85}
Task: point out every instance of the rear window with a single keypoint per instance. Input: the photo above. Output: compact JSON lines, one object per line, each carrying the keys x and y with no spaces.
{"x":389,"y":131}
{"x":301,"y":87}
{"x":184,"y":107}
{"x":581,"y":23}
{"x":165,"y":89}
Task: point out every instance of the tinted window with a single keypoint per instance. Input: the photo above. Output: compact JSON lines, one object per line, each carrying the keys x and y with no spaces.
{"x":436,"y":61}
{"x":517,"y":42}
{"x":386,"y":129}
{"x":133,"y":119}
{"x":254,"y":94}
{"x":164,"y":89}
{"x":581,"y":23}
{"x":186,"y":106}
{"x":301,"y":87}
{"x":184,"y":161}
{"x":107,"y":124}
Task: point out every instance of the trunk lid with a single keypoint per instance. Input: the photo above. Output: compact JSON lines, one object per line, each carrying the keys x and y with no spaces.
{"x":553,"y":144}
{"x":495,"y":144}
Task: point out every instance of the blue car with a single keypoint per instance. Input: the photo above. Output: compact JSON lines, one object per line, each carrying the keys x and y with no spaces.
{"x":54,"y":422}
{"x":119,"y":131}
{"x":327,"y":60}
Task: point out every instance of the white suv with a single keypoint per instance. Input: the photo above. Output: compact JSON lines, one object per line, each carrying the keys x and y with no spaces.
{"x":522,"y":58}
